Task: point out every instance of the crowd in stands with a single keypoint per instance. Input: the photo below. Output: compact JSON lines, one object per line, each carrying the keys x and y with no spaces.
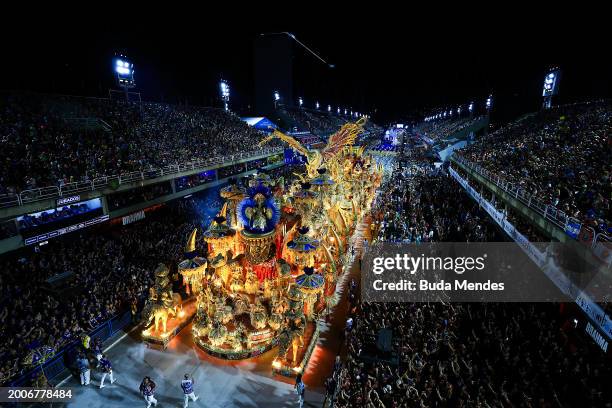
{"x":106,"y":271}
{"x":561,"y":155}
{"x":444,"y":128}
{"x":460,"y":354}
{"x":43,"y":144}
{"x":323,"y":124}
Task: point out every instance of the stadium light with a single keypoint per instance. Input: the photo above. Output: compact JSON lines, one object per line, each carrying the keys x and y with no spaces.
{"x":338,"y":111}
{"x":489,"y":102}
{"x":300,"y":101}
{"x":329,"y":108}
{"x":551,"y":86}
{"x":471,"y":107}
{"x":225,"y":93}
{"x":345,"y":110}
{"x":124,"y":70}
{"x":459,"y":110}
{"x":317,"y":105}
{"x":276,"y":96}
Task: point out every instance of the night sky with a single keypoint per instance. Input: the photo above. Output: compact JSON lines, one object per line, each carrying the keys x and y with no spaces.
{"x":395,"y":70}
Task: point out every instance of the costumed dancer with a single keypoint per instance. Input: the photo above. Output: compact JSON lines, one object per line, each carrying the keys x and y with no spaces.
{"x":147,"y":389}
{"x":107,"y":369}
{"x":84,"y":371}
{"x":187,"y":386}
{"x":300,"y":387}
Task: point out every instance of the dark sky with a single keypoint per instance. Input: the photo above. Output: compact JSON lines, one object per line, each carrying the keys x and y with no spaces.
{"x":392,"y":69}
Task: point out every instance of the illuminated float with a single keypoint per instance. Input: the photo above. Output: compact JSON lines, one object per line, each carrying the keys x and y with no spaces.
{"x":274,"y":253}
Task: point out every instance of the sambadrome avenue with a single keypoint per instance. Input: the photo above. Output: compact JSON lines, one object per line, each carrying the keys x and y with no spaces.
{"x":341,"y":216}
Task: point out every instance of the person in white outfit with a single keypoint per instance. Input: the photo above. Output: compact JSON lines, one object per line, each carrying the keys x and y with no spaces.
{"x":107,"y":369}
{"x":300,"y":387}
{"x":84,"y":371}
{"x":187,"y":386}
{"x":147,"y":389}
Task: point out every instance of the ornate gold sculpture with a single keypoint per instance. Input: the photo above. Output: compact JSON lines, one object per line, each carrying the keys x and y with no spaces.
{"x":271,"y":268}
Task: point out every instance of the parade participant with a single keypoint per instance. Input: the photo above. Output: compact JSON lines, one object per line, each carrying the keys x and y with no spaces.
{"x":187,"y":386}
{"x":97,"y":350}
{"x":147,"y":389}
{"x":107,"y":369}
{"x":300,"y":387}
{"x":83,"y":366}
{"x":330,"y":389}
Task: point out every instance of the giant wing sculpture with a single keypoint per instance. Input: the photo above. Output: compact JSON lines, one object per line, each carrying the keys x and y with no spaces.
{"x":344,"y":137}
{"x":287,"y":139}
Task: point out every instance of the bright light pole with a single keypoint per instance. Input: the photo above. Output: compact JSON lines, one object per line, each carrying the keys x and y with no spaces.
{"x":225,"y":93}
{"x":125,"y":74}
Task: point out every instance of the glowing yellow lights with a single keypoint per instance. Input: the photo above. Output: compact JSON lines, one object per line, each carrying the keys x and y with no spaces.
{"x":181,"y":314}
{"x":276,"y":364}
{"x":297,"y":369}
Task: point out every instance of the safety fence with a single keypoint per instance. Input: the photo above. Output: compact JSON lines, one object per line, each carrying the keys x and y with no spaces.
{"x":547,"y":211}
{"x":62,"y":360}
{"x":100,"y":183}
{"x":594,"y":311}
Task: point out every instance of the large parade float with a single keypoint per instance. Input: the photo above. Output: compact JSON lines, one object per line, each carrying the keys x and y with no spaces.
{"x":274,"y":254}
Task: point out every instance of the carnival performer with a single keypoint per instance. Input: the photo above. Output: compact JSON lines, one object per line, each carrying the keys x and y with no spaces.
{"x":84,"y":371}
{"x":147,"y":389}
{"x":187,"y":386}
{"x":97,"y":350}
{"x":107,"y":369}
{"x":300,"y":387}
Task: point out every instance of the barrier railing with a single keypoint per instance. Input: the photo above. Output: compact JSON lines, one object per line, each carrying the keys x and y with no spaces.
{"x":547,"y":211}
{"x":61,"y":361}
{"x":99,"y":183}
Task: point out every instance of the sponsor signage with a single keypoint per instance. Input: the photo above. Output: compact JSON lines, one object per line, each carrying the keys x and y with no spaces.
{"x":68,"y":200}
{"x":66,"y":230}
{"x":597,"y":337}
{"x":137,"y":216}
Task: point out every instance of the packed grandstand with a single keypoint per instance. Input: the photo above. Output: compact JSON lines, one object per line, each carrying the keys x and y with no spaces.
{"x":461,"y":355}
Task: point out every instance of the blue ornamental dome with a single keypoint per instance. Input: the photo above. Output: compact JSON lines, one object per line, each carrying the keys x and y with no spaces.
{"x":258,"y":212}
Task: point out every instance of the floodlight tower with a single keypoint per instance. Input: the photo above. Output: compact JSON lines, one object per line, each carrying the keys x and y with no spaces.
{"x":317,"y":105}
{"x":276,"y":99}
{"x":489,"y":104}
{"x":329,"y":109}
{"x":124,"y":70}
{"x":300,"y":101}
{"x":224,"y":88}
{"x":471,"y":108}
{"x":551,"y":86}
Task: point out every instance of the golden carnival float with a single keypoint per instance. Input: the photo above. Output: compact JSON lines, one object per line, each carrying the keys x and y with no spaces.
{"x":274,"y":253}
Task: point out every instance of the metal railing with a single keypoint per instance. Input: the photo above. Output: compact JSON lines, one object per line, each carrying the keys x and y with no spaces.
{"x":547,"y":211}
{"x":100,"y":183}
{"x":60,"y":362}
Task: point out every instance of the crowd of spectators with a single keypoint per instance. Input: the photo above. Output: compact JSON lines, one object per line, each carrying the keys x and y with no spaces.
{"x":53,"y":140}
{"x":105,"y":271}
{"x":459,"y":354}
{"x":560,"y":155}
{"x":323,"y":124}
{"x":444,"y":128}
